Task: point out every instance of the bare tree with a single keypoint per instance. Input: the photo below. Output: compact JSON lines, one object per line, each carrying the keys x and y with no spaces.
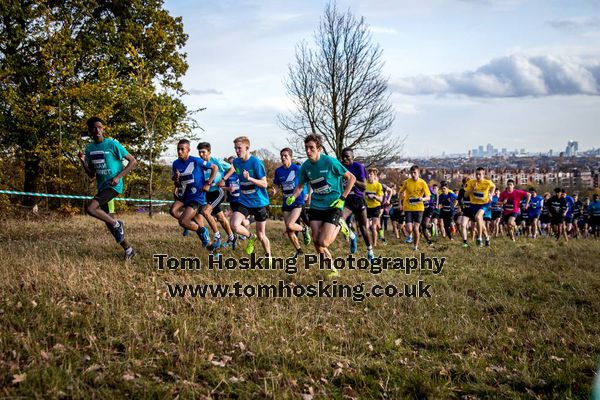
{"x":339,"y":92}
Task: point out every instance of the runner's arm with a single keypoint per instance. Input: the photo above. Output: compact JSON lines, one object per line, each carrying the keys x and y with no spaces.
{"x":89,"y":171}
{"x":230,"y":172}
{"x":262,"y":182}
{"x":132,"y":163}
{"x":351,"y":179}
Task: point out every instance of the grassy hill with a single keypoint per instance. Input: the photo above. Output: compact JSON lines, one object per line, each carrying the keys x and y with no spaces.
{"x":517,"y":320}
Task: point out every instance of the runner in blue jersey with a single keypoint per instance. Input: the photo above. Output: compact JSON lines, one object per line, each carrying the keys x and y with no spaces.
{"x":191,"y":187}
{"x":447,"y":203}
{"x":215,"y":196}
{"x":286,"y":178}
{"x":594,"y":212}
{"x":253,"y":199}
{"x":325,"y":175}
{"x":534,"y":211}
{"x":104,"y":159}
{"x":569,"y":215}
{"x":496,"y":207}
{"x":355,"y":203}
{"x":487,"y":217}
{"x":232,"y":188}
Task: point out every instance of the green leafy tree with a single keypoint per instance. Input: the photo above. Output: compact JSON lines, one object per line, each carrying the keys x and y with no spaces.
{"x":63,"y":61}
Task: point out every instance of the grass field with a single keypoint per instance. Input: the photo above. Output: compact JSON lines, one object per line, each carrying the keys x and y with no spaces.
{"x":511,"y":321}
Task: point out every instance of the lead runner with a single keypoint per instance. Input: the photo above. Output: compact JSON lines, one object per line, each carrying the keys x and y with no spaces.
{"x":325,"y":175}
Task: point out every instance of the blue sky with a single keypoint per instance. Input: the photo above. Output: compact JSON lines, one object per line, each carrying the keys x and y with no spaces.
{"x":461,"y":72}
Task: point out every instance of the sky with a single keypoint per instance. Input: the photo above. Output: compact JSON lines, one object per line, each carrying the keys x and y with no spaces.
{"x":462,"y":73}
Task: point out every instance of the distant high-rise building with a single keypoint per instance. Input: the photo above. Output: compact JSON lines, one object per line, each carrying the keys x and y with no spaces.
{"x":572,"y":148}
{"x":489,"y":150}
{"x":480,"y":151}
{"x":504,"y":153}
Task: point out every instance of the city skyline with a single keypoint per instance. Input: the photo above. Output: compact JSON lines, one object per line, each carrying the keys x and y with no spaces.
{"x":489,"y":150}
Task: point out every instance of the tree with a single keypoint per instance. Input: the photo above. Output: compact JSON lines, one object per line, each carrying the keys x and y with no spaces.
{"x":339,"y":92}
{"x":73,"y":56}
{"x":160,"y":117}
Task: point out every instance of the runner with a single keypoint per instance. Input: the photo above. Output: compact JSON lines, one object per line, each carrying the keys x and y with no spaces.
{"x":594,"y":211}
{"x":396,"y":213}
{"x":355,"y":203}
{"x":428,"y":214}
{"x":188,"y":177}
{"x":253,"y":199}
{"x":577,"y":214}
{"x":384,"y":214}
{"x":447,"y":203}
{"x":545,"y":215}
{"x":414,"y":192}
{"x":104,"y":159}
{"x":496,"y":208}
{"x":176,"y":209}
{"x":286,"y":177}
{"x":464,"y":217}
{"x":522,"y":218}
{"x":569,"y":216}
{"x":585,"y":221}
{"x":232,"y":188}
{"x":373,"y":198}
{"x":510,"y":199}
{"x":536,"y":204}
{"x":558,"y":208}
{"x":480,"y":190}
{"x":325,"y":175}
{"x":215,"y":197}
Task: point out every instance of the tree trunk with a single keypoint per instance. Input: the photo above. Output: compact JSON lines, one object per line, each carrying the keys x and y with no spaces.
{"x":32,"y":173}
{"x":150,"y":185}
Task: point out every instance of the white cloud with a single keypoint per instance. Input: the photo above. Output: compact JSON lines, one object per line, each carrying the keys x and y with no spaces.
{"x":200,"y":92}
{"x":513,"y":76}
{"x":576,"y":24}
{"x":383,"y":30}
{"x":406,"y":109}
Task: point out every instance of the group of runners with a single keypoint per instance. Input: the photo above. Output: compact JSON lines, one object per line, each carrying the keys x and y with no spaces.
{"x":324,"y":196}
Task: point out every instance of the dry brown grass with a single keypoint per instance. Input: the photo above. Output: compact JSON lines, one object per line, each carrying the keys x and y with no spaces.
{"x":514,"y":320}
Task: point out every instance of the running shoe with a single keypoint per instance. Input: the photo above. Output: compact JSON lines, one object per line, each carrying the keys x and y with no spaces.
{"x":214,"y":245}
{"x":344,"y":229}
{"x":119,"y":232}
{"x":306,"y":236}
{"x":334,"y":272}
{"x":250,"y":245}
{"x":203,"y":236}
{"x":130,"y":255}
{"x":353,"y":245}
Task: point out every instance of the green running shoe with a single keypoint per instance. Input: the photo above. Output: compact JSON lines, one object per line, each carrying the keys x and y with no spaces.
{"x":344,"y":229}
{"x":250,"y":245}
{"x":307,"y":238}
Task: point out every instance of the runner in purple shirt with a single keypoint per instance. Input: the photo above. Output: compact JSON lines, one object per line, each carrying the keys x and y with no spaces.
{"x":355,"y":203}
